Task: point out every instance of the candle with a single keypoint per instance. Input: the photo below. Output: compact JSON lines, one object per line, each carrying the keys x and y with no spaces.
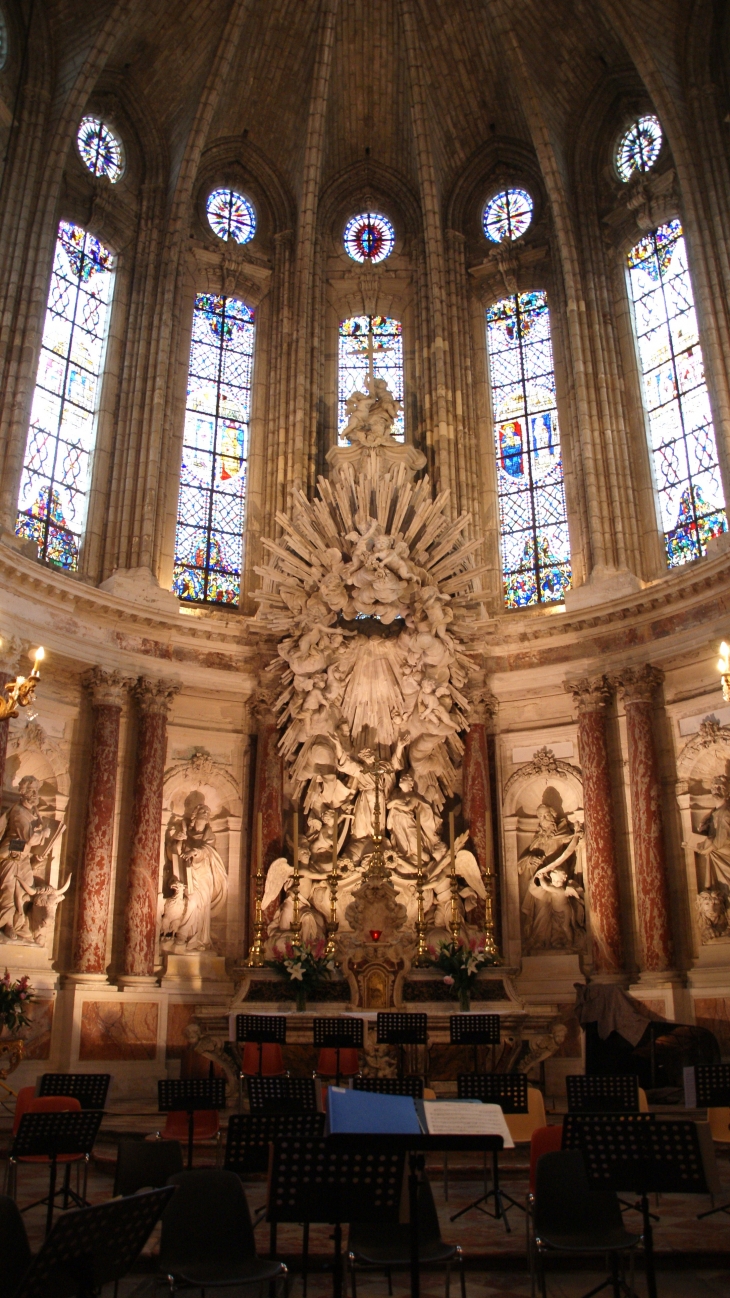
{"x":295,"y":834}
{"x":260,"y":844}
{"x":334,"y":842}
{"x":418,"y":838}
{"x":40,"y":655}
{"x":451,"y":842}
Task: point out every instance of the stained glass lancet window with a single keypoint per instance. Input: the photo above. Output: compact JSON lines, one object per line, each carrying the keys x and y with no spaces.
{"x":533,"y":521}
{"x":681,"y":435}
{"x":209,"y":540}
{"x":56,"y":468}
{"x":369,"y":344}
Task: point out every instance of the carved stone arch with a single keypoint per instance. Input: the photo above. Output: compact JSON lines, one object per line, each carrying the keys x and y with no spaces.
{"x":707,"y":753}
{"x":543,"y":764}
{"x":234,"y":160}
{"x":346,"y":191}
{"x":38,"y":755}
{"x":202,"y":774}
{"x":500,"y":161}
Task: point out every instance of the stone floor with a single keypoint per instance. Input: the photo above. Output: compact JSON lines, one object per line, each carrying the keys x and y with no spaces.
{"x":693,"y":1257}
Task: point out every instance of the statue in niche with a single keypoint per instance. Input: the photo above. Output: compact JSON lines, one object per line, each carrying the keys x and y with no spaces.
{"x":199,"y":884}
{"x":551,"y":886}
{"x":25,"y":901}
{"x":713,"y":849}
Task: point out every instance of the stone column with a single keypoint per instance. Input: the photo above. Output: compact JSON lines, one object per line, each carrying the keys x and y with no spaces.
{"x":108,"y":691}
{"x":140,"y":920}
{"x":652,"y":893}
{"x":591,"y":698}
{"x":268,"y":792}
{"x":10,"y":650}
{"x":477,"y":802}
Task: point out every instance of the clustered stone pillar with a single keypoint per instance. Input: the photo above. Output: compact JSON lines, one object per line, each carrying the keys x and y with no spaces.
{"x":108,"y":691}
{"x":140,"y":920}
{"x":476,"y":796}
{"x":591,"y":698}
{"x":652,"y":893}
{"x":268,"y":793}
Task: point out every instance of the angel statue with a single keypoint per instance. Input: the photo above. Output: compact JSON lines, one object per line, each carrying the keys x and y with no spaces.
{"x":199,"y":880}
{"x":24,"y":843}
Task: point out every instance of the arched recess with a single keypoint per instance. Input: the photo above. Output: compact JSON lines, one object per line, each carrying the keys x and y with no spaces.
{"x":704,"y":758}
{"x":186,"y":785}
{"x":547,"y":779}
{"x":345,"y":288}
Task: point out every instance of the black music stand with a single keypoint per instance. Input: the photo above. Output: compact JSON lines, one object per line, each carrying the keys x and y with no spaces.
{"x":49,"y":1135}
{"x":509,"y":1091}
{"x":638,"y":1152}
{"x":93,"y":1247}
{"x":390,"y":1085}
{"x":356,"y":1178}
{"x":188,"y":1095}
{"x":602,"y":1093}
{"x":338,"y":1034}
{"x":712,"y":1091}
{"x":475,"y":1030}
{"x":263,"y":1029}
{"x":401,"y":1029}
{"x":284,"y":1095}
{"x":90,"y":1089}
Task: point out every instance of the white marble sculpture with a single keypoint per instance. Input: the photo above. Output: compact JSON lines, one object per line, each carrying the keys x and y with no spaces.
{"x":27,"y":903}
{"x":198,"y":886}
{"x":371,"y":593}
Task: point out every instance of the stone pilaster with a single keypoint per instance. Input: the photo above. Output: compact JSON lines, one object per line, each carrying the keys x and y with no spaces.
{"x":637,"y":686}
{"x":140,"y":920}
{"x":108,"y":692}
{"x":591,"y":698}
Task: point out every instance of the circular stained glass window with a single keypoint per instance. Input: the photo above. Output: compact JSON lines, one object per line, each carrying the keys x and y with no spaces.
{"x":639,"y":148}
{"x":231,"y":216}
{"x":369,"y":237}
{"x":507,"y":215}
{"x":100,"y":149}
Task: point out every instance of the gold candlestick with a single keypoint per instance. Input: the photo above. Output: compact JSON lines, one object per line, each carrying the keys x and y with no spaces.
{"x":21,"y":691}
{"x":296,"y":923}
{"x":421,"y":957}
{"x":256,"y":953}
{"x":332,"y":881}
{"x":455,"y":924}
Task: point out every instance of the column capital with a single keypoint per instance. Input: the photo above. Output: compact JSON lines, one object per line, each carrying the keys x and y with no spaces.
{"x":107,"y":689}
{"x":154,"y":697}
{"x":261,"y":705}
{"x":637,"y":684}
{"x":590,"y":693}
{"x":483,"y":704}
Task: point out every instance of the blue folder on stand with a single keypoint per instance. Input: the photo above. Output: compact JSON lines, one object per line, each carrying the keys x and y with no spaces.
{"x":365,"y":1112}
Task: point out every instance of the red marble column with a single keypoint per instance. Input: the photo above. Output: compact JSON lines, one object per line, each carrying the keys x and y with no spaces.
{"x":140,"y":920}
{"x":652,"y":892}
{"x":591,"y":698}
{"x":108,"y":691}
{"x":268,"y":793}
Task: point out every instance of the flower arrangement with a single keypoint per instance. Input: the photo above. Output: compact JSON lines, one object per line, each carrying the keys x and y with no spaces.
{"x":461,"y":962}
{"x":14,"y":1001}
{"x":305,"y":965}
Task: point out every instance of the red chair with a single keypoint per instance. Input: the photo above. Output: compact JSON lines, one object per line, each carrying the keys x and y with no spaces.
{"x":29,"y":1102}
{"x":270,"y":1062}
{"x":206,"y":1128}
{"x":544,"y":1140}
{"x":349,"y":1064}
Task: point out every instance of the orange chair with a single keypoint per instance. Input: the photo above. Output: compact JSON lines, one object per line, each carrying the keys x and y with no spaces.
{"x":269,"y":1064}
{"x":206,"y":1128}
{"x":327,"y":1065}
{"x":544,"y":1140}
{"x":29,"y":1102}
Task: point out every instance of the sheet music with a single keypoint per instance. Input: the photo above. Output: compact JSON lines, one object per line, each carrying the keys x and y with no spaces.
{"x":455,"y":1118}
